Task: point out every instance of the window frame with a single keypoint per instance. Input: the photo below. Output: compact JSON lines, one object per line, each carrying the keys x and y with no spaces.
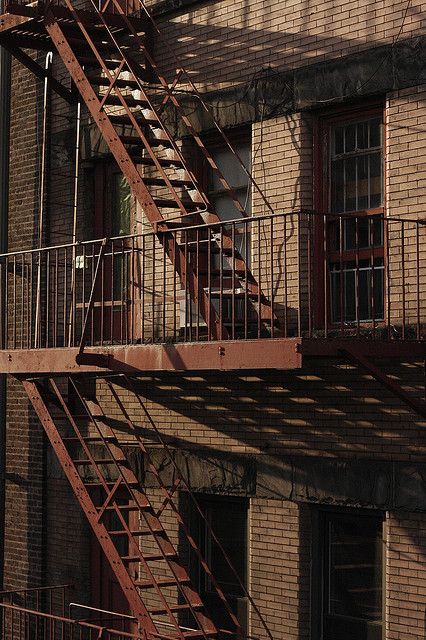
{"x":322,"y":186}
{"x":201,"y":533}
{"x":321,"y":516}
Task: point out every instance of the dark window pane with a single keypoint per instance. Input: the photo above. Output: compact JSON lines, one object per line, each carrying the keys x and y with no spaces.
{"x":338,"y":140}
{"x":363,"y":185}
{"x":121,"y":197}
{"x":355,"y":568}
{"x":350,"y":184}
{"x":362,"y":135}
{"x":337,"y":187}
{"x":375,"y":132}
{"x":356,"y":177}
{"x":349,"y":295}
{"x":228,"y":520}
{"x":350,"y":137}
{"x":350,"y":233}
{"x":375,"y":180}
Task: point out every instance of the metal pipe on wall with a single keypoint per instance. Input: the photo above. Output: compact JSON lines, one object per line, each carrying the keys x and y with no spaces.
{"x":5,"y":79}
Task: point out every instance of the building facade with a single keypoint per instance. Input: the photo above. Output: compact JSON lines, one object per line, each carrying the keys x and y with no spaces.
{"x":214,"y":300}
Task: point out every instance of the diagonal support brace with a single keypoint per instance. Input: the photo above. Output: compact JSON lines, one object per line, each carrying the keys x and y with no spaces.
{"x":417,"y":404}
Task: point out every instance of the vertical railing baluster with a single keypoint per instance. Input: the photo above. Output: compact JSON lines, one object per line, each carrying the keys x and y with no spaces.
{"x":388,"y":278}
{"x":174,"y":286}
{"x":22,"y":300}
{"x":102,"y":300}
{"x":246,"y":301}
{"x":259,"y":259}
{"x":153,"y":288}
{"x":164,"y":257}
{"x":357,"y":276}
{"x":14,"y":303}
{"x":326,"y":270}
{"x":143,"y":285}
{"x":132,"y":283}
{"x":285,"y":279}
{"x":198,"y":291}
{"x":233,"y":318}
{"x":342,"y":279}
{"x":403,"y":277}
{"x":417,"y":226}
{"x":210,"y":266}
{"x":372,"y":272}
{"x":112,"y":296}
{"x":55,"y":302}
{"x":48,"y":293}
{"x":92,"y":310}
{"x":309,"y":283}
{"x":65,"y":303}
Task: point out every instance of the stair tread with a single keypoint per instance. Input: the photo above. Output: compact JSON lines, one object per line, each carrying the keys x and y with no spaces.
{"x":101,"y":81}
{"x":161,"y":582}
{"x":175,"y":608}
{"x":139,"y":117}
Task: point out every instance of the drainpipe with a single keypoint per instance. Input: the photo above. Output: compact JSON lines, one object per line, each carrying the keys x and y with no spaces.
{"x":5,"y":78}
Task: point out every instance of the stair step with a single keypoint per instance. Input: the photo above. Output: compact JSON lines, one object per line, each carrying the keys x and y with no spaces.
{"x":225,"y":273}
{"x":122,"y":507}
{"x":100,"y":461}
{"x":153,"y":142}
{"x":152,"y":557}
{"x":199,"y":634}
{"x":213,"y":250}
{"x":172,"y":204}
{"x":122,"y":83}
{"x":91,"y":61}
{"x":139,"y":117}
{"x":130,"y":101}
{"x":162,"y":582}
{"x":175,"y":182}
{"x":175,"y":608}
{"x":163,"y":162}
{"x":82,"y":43}
{"x":136,"y":533}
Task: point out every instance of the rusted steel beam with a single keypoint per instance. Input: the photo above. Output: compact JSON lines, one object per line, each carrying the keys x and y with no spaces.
{"x":417,"y":404}
{"x":279,"y":353}
{"x":38,"y":71}
{"x":332,"y":348}
{"x":10,"y":21}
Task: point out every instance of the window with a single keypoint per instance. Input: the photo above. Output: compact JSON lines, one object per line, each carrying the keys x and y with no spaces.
{"x":351,"y":575}
{"x":227,"y":518}
{"x":236,"y":177}
{"x":223,"y":205}
{"x":355,"y":237}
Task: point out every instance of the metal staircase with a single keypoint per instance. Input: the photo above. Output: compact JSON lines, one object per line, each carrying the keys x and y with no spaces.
{"x":126,"y":95}
{"x":140,"y":551}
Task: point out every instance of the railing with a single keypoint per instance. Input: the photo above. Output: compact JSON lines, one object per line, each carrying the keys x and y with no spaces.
{"x":317,"y":276}
{"x":129,"y":7}
{"x":51,"y":600}
{"x":20,"y":623}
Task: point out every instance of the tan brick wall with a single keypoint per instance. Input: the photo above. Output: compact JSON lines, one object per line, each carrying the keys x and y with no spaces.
{"x":227,"y":42}
{"x":405,"y":576}
{"x":24,"y":448}
{"x":279,"y":568}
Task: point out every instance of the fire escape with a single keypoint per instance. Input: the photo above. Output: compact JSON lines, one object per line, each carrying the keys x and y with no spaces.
{"x":110,"y":308}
